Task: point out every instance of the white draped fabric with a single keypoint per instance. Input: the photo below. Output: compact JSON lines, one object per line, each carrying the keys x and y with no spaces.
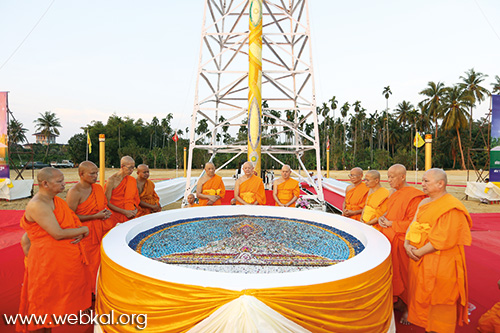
{"x":486,"y":191}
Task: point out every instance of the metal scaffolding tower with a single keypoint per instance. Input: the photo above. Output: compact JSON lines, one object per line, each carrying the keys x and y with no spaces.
{"x":221,"y":94}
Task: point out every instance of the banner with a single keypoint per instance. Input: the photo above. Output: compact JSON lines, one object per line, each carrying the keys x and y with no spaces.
{"x":4,"y":139}
{"x":418,"y":141}
{"x":495,"y":140}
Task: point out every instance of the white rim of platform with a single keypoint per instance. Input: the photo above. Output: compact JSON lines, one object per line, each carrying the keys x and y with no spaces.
{"x":115,"y":245}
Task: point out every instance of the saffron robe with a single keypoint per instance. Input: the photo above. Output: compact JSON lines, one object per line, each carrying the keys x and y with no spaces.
{"x":252,"y":189}
{"x":148,"y":195}
{"x":401,"y":208}
{"x":125,"y":196}
{"x":355,"y":199}
{"x":95,"y":203}
{"x":376,"y":206}
{"x":287,"y":190}
{"x":56,"y":279}
{"x":213,"y":186}
{"x":438,"y":281}
{"x":490,"y":321}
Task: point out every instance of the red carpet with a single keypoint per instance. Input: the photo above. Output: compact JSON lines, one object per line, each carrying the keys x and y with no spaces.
{"x":483,"y":267}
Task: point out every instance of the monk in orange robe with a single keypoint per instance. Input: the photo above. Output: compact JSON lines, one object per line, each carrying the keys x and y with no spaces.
{"x":355,"y":195}
{"x":88,"y":201}
{"x":210,"y":188}
{"x":285,"y":189}
{"x":122,"y":194}
{"x":149,"y":200}
{"x":376,"y":201}
{"x":402,"y":205}
{"x":56,"y":279}
{"x":490,"y":321}
{"x":438,"y":289}
{"x":190,"y":201}
{"x":249,"y":188}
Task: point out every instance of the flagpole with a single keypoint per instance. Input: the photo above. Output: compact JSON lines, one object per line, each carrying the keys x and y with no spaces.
{"x":87,"y":151}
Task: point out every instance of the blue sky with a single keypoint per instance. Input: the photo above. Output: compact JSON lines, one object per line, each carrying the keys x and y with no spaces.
{"x":86,"y":60}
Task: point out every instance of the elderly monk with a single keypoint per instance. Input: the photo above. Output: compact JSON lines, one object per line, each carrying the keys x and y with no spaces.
{"x":149,"y":200}
{"x":376,"y":201}
{"x":56,"y":279}
{"x":355,"y":195}
{"x":210,"y":187}
{"x":285,"y":189}
{"x":490,"y":321}
{"x":89,"y":203}
{"x":122,"y":194}
{"x":401,"y":207}
{"x":249,"y":188}
{"x":438,"y":291}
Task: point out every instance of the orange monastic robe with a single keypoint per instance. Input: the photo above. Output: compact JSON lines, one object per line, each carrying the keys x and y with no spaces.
{"x":490,"y":321}
{"x":95,"y":203}
{"x":125,"y":196}
{"x":401,"y":208}
{"x":438,"y":281}
{"x":56,"y":279}
{"x":287,"y":190}
{"x":148,"y":195}
{"x":355,"y":199}
{"x":213,"y":186}
{"x":376,"y":206}
{"x":253,"y":189}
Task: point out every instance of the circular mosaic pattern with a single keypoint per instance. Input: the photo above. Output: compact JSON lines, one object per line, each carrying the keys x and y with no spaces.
{"x":249,"y":244}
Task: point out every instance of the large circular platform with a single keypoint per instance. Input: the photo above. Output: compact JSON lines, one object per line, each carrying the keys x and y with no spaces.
{"x":194,"y":262}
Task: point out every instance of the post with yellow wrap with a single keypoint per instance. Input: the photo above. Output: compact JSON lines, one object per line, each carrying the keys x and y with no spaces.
{"x":185,"y":163}
{"x":102,"y":159}
{"x":255,"y":84}
{"x":428,"y":151}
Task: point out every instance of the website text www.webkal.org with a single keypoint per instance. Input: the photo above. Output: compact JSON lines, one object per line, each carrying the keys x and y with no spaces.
{"x":140,"y":321}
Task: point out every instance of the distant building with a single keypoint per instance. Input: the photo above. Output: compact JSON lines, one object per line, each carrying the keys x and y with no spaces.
{"x":44,"y":140}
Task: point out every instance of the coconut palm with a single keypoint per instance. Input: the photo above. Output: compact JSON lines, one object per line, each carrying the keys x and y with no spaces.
{"x":402,"y":113}
{"x":48,"y":124}
{"x":387,"y":93}
{"x":471,"y":85}
{"x":433,"y":104}
{"x":17,"y":133}
{"x":343,"y":112}
{"x":496,"y":85}
{"x":455,"y":103}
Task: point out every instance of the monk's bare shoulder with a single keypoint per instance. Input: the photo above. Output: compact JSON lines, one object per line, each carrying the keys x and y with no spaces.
{"x":279,"y":181}
{"x":350,"y":187}
{"x":114,"y":180}
{"x":34,"y":208}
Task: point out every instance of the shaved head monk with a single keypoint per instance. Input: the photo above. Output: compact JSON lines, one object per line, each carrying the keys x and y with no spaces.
{"x":401,"y":208}
{"x":355,"y":195}
{"x":490,"y":321}
{"x":88,"y":201}
{"x":285,"y":189}
{"x":122,"y":194}
{"x":210,"y":187}
{"x":376,"y":201}
{"x":438,"y":289}
{"x":249,"y":188}
{"x":149,"y":200}
{"x":190,"y":201}
{"x":57,"y":279}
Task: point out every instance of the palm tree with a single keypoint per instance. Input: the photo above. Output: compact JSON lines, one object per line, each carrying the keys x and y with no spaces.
{"x":47,"y":124}
{"x":403,"y":113}
{"x":387,"y":93}
{"x":433,"y":104}
{"x":455,"y":104}
{"x":357,"y":110}
{"x":333,"y":106}
{"x":496,"y":85}
{"x":471,"y":85}
{"x":16,"y":131}
{"x":343,"y":112}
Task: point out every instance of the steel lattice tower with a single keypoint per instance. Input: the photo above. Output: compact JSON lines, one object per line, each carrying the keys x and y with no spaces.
{"x":221,"y":94}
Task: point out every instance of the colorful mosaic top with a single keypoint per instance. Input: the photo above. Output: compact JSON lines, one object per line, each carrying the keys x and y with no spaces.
{"x":247,"y":240}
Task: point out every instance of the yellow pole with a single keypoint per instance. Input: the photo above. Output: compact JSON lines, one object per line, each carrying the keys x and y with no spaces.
{"x":185,"y":162}
{"x":255,"y":84}
{"x":428,"y":151}
{"x":102,"y":159}
{"x":328,"y":163}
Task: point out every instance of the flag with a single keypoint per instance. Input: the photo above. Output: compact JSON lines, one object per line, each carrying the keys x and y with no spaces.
{"x":328,"y":144}
{"x":89,"y":143}
{"x":175,"y":137}
{"x":418,"y":141}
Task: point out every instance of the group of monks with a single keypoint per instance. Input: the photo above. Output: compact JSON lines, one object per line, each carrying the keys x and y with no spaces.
{"x":248,"y":189}
{"x":427,"y":231}
{"x":63,"y":238}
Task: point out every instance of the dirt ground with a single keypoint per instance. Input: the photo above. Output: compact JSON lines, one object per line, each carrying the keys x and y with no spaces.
{"x":456,"y":181}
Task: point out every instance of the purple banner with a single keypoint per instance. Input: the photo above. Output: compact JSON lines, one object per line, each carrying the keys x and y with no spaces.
{"x":4,"y":139}
{"x":495,"y":140}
